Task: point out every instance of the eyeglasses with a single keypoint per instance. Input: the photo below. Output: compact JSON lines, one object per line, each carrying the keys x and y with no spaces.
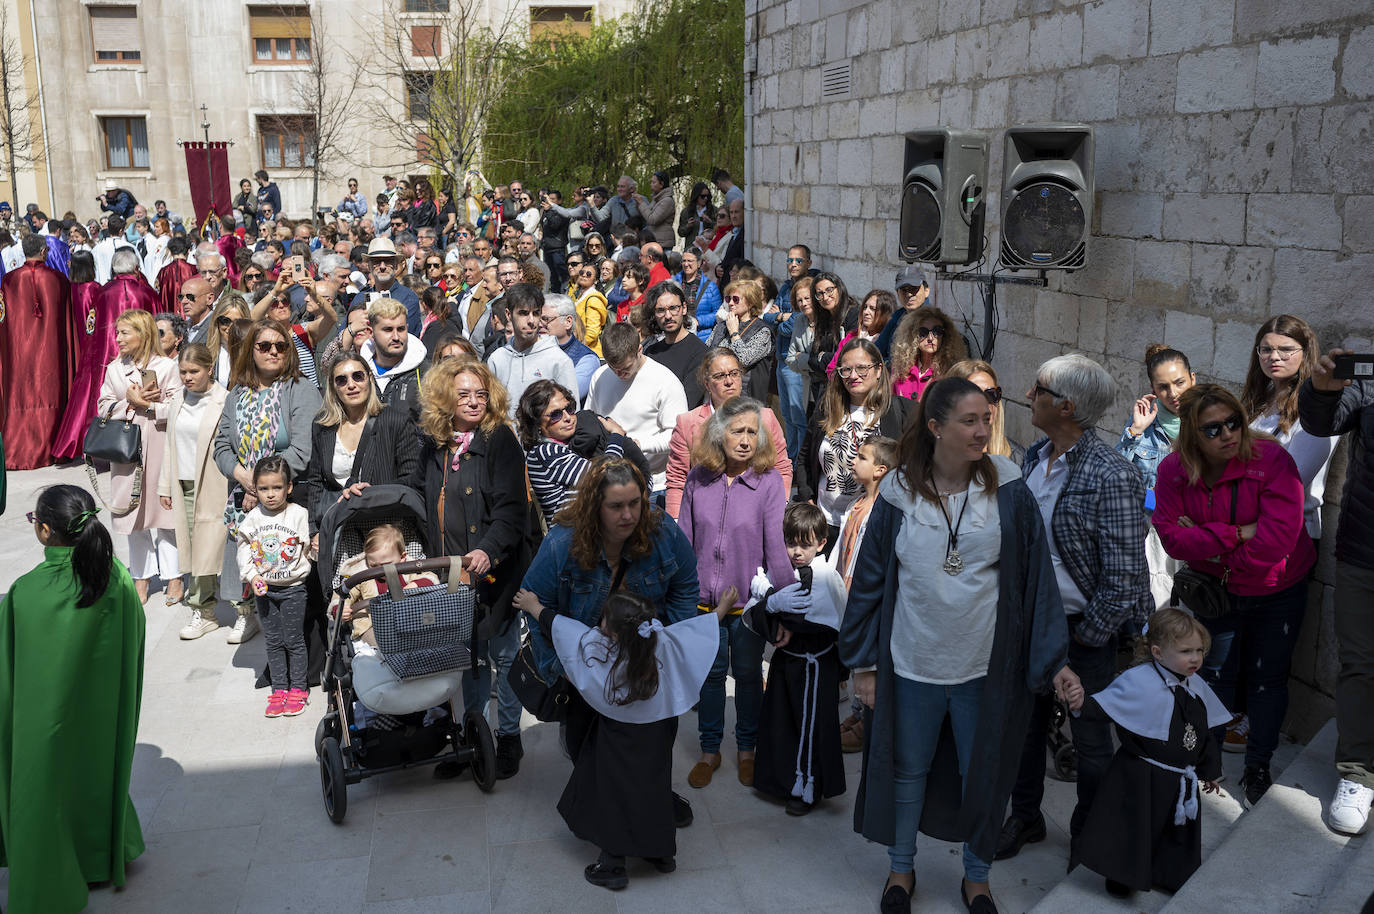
{"x":1213,"y":429}
{"x":31,"y":517}
{"x":266,"y":346}
{"x":830,"y":292}
{"x":936,"y":332}
{"x":452,"y":276}
{"x":472,"y":396}
{"x":796,"y":260}
{"x":994,"y":395}
{"x":589,"y":274}
{"x":546,"y":320}
{"x":734,"y":374}
{"x":734,"y":299}
{"x":856,"y":371}
{"x":670,"y":309}
{"x":356,"y":377}
{"x":1283,"y":352}
{"x":557,"y":414}
{"x":1039,"y":389}
{"x":188,"y":296}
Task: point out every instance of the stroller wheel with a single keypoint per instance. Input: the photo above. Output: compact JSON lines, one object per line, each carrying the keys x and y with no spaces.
{"x":477,"y":737}
{"x":332,"y":782}
{"x":1066,"y":763}
{"x":323,"y":729}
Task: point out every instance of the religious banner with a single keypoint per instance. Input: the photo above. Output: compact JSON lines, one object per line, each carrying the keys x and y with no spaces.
{"x":208,"y":173}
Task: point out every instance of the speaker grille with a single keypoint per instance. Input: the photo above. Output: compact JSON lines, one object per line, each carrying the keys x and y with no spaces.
{"x":1043,"y":226}
{"x":920,"y":227}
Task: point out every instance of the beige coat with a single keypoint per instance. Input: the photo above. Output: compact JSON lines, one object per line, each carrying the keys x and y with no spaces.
{"x":120,"y":375}
{"x":206,"y":553}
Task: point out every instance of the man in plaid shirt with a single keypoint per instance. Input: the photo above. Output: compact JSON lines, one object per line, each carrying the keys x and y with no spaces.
{"x":1092,"y":502}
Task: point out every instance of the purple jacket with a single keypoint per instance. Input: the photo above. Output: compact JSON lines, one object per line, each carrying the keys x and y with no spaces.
{"x":734,"y":529}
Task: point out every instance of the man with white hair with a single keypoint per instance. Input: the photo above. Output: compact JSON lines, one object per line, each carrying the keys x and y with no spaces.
{"x":624,"y":206}
{"x":1093,"y":505}
{"x":215,"y":271}
{"x":557,"y":320}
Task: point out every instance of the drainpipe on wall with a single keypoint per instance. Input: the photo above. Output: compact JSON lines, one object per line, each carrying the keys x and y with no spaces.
{"x":42,"y":108}
{"x":751,"y":59}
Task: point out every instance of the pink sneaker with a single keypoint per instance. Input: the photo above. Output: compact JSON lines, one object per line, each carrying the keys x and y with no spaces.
{"x":296,"y":700}
{"x":276,"y":704}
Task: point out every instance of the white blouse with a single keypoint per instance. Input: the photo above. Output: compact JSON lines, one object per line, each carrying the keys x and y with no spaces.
{"x":187,"y":430}
{"x":342,"y":466}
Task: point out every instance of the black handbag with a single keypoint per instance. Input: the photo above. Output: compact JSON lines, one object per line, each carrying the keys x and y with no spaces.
{"x":116,"y":441}
{"x":1204,"y":594}
{"x":547,"y":701}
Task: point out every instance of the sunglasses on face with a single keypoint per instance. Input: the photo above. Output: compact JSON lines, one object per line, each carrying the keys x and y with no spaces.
{"x":1213,"y":429}
{"x":356,"y":377}
{"x":734,"y":299}
{"x":434,"y":265}
{"x":1039,"y":389}
{"x":187,"y":296}
{"x":589,"y":274}
{"x":994,"y":395}
{"x":936,"y":332}
{"x":223,"y":321}
{"x":266,"y":346}
{"x":252,"y":277}
{"x":796,"y":260}
{"x":557,"y":414}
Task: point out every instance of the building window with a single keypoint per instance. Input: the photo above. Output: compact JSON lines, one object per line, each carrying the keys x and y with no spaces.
{"x":280,"y":35}
{"x":287,"y":141}
{"x":560,"y":21}
{"x":126,"y":142}
{"x":419,"y":87}
{"x":425,"y":41}
{"x":114,"y":34}
{"x":426,"y":6}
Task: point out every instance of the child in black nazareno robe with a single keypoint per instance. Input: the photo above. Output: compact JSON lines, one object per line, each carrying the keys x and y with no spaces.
{"x":800,"y":759}
{"x":1144,"y":828}
{"x":637,"y":676}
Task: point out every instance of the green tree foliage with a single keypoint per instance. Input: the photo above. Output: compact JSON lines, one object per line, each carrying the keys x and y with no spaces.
{"x":659,"y":88}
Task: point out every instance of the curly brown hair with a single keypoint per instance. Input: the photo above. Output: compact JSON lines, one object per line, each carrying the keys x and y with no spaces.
{"x":906,"y":343}
{"x":583,"y":513}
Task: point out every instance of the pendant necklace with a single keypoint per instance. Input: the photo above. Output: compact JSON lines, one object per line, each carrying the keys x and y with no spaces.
{"x":954,"y":563}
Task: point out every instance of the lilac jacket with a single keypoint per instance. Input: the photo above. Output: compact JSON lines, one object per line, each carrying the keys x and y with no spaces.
{"x":734,"y":529}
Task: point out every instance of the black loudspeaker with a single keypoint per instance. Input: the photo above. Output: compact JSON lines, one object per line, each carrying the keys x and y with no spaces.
{"x":943,"y":196}
{"x":1047,"y":196}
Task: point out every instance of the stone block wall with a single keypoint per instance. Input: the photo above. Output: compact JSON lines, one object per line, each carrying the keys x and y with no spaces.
{"x":1234,"y":175}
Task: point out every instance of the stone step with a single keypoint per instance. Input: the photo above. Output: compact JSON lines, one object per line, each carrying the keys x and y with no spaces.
{"x":1355,"y":887}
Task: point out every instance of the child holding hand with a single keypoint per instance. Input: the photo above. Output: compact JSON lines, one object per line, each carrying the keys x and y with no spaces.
{"x":638,"y":676}
{"x":272,"y":545}
{"x":1144,"y":828}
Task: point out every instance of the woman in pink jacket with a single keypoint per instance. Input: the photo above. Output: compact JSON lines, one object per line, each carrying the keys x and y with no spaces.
{"x":1229,"y":502}
{"x":721,"y":376}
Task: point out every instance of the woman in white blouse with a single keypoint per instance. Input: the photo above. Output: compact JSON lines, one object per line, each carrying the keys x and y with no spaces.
{"x":192,"y":487}
{"x":139,"y":384}
{"x":953,"y":613}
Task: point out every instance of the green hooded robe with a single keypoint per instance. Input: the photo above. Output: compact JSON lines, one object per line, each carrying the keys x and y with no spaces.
{"x":70,"y":684}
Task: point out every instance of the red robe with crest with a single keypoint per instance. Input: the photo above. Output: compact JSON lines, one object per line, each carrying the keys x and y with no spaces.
{"x":169,"y":280}
{"x":37,"y":360}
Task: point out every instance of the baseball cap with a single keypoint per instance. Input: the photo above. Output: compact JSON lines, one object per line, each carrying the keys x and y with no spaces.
{"x":912,"y":276}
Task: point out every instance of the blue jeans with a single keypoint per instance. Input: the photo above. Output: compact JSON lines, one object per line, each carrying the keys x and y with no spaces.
{"x":792,"y":400}
{"x":741,"y":651}
{"x":1259,"y":633}
{"x":919,"y":712}
{"x":477,"y":691}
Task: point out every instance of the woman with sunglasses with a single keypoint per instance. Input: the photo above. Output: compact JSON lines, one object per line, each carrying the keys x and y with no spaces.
{"x":985,"y":378}
{"x":527,"y":215}
{"x":594,"y":246}
{"x":1230,"y":503}
{"x":221,"y":322}
{"x":699,"y":215}
{"x":926,"y":343}
{"x":354,"y":439}
{"x":269,"y":412}
{"x":747,"y":335}
{"x":857,"y":404}
{"x":593,"y":311}
{"x":171,"y":334}
{"x":421,"y":213}
{"x":434,"y":268}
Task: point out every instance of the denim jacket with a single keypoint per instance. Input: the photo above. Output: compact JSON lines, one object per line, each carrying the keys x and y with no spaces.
{"x":1145,"y":453}
{"x":667,"y":577}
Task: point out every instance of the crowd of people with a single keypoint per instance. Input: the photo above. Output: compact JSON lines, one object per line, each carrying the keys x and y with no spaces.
{"x":583,"y":408}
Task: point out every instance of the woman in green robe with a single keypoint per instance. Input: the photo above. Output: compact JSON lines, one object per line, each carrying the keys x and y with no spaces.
{"x":71,"y":677}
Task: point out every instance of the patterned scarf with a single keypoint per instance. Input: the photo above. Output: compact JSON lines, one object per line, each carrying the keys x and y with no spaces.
{"x":259,"y":417}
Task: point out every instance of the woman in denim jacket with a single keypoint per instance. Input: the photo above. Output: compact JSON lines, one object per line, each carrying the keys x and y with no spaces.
{"x":1148,"y":439}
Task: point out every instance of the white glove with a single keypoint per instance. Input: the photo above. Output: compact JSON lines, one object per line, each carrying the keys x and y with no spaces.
{"x":790,"y":599}
{"x":759,"y":586}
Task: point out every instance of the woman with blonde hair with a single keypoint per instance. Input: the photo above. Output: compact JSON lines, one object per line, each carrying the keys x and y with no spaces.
{"x":926,"y":343}
{"x":471,"y":473}
{"x":193,"y":488}
{"x":984,"y":376}
{"x":139,"y":385}
{"x":747,"y":335}
{"x":221,"y":323}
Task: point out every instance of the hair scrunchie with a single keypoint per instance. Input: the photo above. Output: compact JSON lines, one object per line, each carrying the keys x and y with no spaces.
{"x":79,"y":523}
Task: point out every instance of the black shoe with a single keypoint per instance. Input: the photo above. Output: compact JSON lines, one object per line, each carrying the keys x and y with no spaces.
{"x":509,"y":751}
{"x":895,"y":900}
{"x":1016,"y":834}
{"x":662,"y":864}
{"x":682,"y":811}
{"x":1254,"y":783}
{"x":1119,"y":889}
{"x":607,"y":874}
{"x":978,"y":904}
{"x":796,"y":806}
{"x":449,"y":769}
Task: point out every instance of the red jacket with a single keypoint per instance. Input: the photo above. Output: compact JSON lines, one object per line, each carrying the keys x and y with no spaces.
{"x":1269,"y":493}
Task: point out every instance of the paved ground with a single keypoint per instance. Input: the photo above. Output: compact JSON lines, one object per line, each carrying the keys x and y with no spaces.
{"x":231,"y":810}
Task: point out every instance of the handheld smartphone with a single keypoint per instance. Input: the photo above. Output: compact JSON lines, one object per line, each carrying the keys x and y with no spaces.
{"x":148,"y":377}
{"x":1354,"y":367}
{"x":298,"y":269}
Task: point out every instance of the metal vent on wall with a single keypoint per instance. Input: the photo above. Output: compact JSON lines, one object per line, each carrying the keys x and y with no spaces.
{"x":835,"y":80}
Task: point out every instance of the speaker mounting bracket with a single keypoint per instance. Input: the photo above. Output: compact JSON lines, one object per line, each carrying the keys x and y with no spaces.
{"x":990,"y":282}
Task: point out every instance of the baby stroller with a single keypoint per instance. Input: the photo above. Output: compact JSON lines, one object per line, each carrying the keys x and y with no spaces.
{"x":391,"y":707}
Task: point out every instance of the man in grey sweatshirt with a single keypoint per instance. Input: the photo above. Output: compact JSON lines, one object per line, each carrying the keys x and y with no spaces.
{"x":528,"y":356}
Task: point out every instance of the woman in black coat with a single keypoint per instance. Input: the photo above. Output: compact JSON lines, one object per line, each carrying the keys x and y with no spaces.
{"x":471,"y":473}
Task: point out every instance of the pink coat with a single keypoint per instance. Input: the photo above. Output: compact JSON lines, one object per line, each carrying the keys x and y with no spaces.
{"x":1269,"y":493}
{"x":685,"y":434}
{"x":120,"y":375}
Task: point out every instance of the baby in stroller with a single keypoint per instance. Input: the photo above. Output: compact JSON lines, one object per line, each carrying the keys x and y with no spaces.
{"x":385,"y":545}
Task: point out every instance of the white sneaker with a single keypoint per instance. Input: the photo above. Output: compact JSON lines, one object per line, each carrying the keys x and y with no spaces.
{"x":1349,"y":810}
{"x":202,"y":622}
{"x":245,"y":627}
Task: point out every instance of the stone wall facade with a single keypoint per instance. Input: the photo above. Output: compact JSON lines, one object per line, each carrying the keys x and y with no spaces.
{"x":1234,"y":177}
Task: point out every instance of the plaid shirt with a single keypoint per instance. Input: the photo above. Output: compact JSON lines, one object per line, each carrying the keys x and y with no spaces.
{"x":1099,"y":529}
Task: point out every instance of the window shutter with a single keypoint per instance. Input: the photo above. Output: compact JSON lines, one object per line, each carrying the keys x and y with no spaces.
{"x":293,"y":22}
{"x":425,"y":41}
{"x":115,"y":28}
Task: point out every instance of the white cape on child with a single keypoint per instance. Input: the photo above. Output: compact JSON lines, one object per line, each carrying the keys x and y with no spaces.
{"x":1135,"y":700}
{"x":686,"y":651}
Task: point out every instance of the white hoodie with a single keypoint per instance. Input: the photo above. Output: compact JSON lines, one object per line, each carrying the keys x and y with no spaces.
{"x":543,"y":360}
{"x":414,"y":357}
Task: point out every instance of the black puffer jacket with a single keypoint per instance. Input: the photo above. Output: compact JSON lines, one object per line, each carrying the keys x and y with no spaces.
{"x":1326,"y":414}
